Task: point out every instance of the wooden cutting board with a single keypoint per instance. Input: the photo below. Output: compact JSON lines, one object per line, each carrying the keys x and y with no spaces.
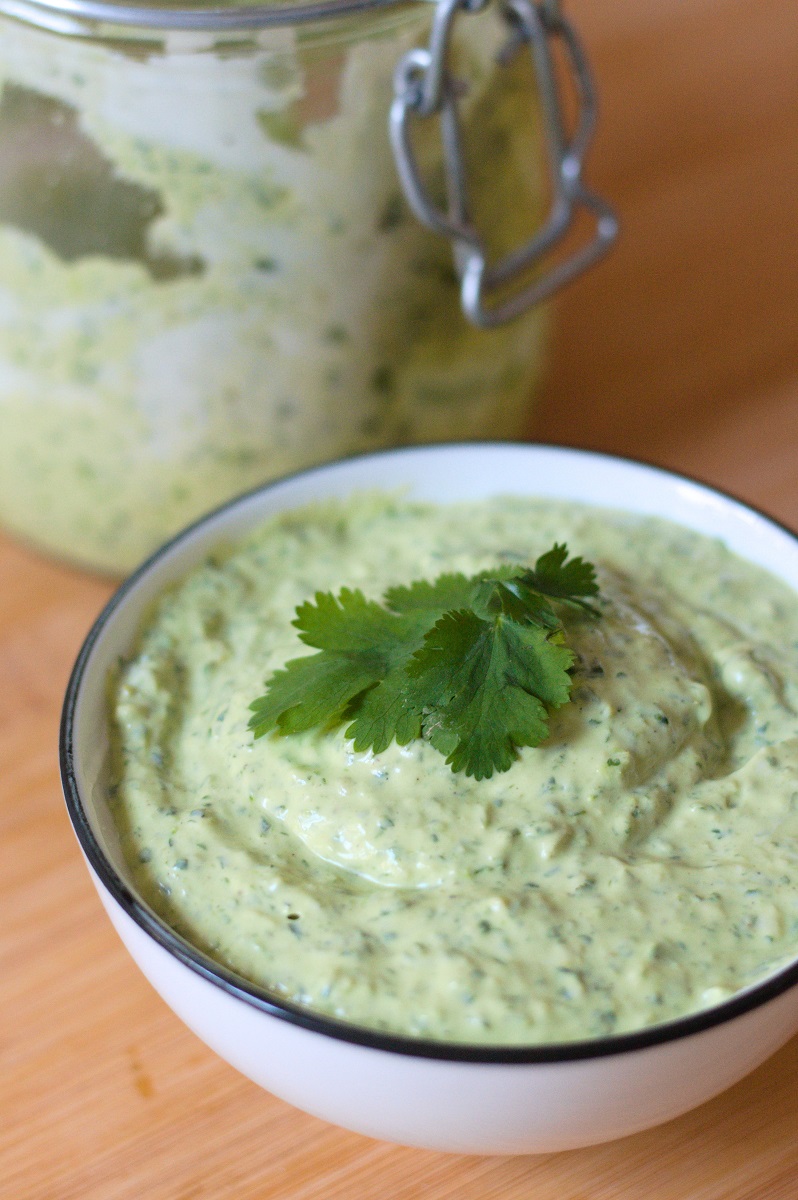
{"x":682,"y":348}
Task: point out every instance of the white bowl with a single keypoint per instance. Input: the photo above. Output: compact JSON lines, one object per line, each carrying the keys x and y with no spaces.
{"x":454,"y":1097}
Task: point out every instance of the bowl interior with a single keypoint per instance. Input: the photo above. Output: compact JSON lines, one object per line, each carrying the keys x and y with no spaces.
{"x":443,"y":473}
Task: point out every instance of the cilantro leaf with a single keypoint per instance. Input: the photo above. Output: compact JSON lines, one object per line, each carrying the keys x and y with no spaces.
{"x":444,"y":594}
{"x":485,"y":686}
{"x":360,"y":643}
{"x":516,"y":600}
{"x":348,"y":624}
{"x":310,"y":691}
{"x":473,"y":664}
{"x":387,"y":713}
{"x":569,"y":580}
{"x":447,"y":591}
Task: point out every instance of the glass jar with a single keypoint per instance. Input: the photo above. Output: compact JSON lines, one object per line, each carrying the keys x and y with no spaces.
{"x":209,"y":274}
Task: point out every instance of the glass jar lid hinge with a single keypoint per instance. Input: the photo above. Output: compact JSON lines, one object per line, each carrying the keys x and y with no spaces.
{"x":424,"y":87}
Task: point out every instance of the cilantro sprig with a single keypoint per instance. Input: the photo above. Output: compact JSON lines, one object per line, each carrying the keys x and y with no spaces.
{"x":472,"y":664}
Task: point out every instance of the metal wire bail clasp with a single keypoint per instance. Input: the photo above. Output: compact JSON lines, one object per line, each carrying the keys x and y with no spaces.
{"x":423,"y":87}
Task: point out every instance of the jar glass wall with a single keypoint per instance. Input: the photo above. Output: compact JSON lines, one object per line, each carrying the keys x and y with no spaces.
{"x":209,"y":276}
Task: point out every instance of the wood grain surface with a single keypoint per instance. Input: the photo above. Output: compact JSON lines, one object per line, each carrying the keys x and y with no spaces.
{"x":681,"y":348}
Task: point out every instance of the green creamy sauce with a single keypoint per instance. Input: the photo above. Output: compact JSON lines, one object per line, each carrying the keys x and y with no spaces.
{"x":209,"y":276}
{"x":641,"y":864}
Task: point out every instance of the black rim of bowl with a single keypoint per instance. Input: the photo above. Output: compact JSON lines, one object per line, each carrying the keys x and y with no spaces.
{"x":622,"y":1043}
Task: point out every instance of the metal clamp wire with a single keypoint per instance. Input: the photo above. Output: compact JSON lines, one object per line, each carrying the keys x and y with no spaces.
{"x":424,"y":87}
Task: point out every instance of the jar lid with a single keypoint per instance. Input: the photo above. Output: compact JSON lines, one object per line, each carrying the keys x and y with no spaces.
{"x":58,"y":14}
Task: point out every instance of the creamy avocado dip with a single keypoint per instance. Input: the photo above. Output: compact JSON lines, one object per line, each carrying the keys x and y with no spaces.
{"x":641,"y":864}
{"x":209,"y":276}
